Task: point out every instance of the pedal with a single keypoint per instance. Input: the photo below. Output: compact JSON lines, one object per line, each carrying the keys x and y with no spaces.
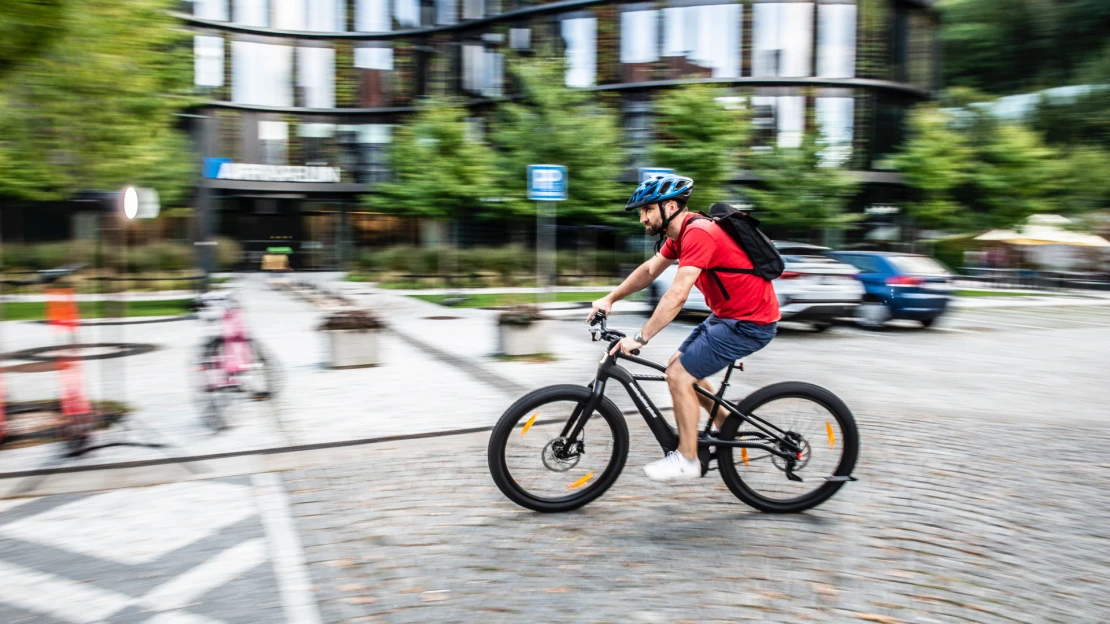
{"x":841,"y":479}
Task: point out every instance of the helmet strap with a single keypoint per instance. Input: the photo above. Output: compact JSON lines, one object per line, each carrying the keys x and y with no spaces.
{"x":666,"y":221}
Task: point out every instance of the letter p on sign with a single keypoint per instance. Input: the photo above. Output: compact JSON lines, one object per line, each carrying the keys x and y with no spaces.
{"x":547,"y":182}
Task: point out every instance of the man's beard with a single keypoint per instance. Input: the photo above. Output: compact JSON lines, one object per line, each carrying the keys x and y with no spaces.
{"x":653,"y":230}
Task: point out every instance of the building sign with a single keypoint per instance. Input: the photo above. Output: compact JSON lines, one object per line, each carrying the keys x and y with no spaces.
{"x":547,"y":182}
{"x":224,"y":169}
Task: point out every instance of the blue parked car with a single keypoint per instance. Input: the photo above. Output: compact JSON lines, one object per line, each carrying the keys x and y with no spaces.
{"x":898,"y":286}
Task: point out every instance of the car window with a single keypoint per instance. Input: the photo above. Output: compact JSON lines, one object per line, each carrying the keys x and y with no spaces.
{"x":866,"y":264}
{"x":917,"y":265}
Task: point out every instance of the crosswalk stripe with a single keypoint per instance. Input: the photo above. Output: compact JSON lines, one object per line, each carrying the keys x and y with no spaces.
{"x":57,"y":597}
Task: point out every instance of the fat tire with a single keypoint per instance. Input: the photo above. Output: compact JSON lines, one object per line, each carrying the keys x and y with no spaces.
{"x":507,"y":423}
{"x":782,"y":390}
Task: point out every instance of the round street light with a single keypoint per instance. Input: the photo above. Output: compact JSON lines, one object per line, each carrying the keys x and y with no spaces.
{"x":130,"y":202}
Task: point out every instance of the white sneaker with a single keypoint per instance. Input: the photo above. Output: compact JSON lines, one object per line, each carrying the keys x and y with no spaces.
{"x":673,"y":467}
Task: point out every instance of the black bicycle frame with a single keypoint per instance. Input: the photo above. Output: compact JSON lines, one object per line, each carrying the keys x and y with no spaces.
{"x":663,"y":431}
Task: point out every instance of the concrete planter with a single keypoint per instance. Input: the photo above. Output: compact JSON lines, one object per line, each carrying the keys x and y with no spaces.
{"x":523,"y":339}
{"x":352,"y":348}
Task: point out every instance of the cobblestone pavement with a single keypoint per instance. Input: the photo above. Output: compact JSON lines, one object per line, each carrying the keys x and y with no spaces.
{"x":953,"y":520}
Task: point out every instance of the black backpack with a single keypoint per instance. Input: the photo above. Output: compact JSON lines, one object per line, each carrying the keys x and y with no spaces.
{"x":744,"y":229}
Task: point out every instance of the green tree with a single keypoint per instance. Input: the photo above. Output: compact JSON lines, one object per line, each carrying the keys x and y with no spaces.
{"x":1003,"y":47}
{"x":1017,"y":175}
{"x":27,"y":28}
{"x":1085,"y":185}
{"x":698,"y":135}
{"x":937,"y":162}
{"x":99,"y":109}
{"x":799,"y":195}
{"x":440,"y":170}
{"x":556,"y":125}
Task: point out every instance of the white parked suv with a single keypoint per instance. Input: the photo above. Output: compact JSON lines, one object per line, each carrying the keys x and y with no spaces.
{"x":814,"y":288}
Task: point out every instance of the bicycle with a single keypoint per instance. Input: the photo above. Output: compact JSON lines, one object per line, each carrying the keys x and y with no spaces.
{"x":570,"y":457}
{"x":230,"y":364}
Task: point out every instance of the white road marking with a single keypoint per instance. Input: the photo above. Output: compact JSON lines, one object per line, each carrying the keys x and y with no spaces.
{"x":57,"y":597}
{"x":285,"y":549}
{"x":139,"y":525}
{"x":207,"y":576}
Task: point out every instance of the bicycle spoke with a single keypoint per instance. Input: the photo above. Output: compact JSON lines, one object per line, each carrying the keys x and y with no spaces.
{"x":548,"y":466}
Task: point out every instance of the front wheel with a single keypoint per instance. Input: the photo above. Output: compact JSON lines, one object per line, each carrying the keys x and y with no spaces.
{"x":816,"y":421}
{"x":537,"y":467}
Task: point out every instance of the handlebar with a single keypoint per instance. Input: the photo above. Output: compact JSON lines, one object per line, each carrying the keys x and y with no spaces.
{"x":604,"y":333}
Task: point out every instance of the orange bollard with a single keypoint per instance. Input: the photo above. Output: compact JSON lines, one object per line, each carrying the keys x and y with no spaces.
{"x":63,"y":315}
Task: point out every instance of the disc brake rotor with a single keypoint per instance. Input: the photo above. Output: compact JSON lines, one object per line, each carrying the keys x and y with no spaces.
{"x":558,"y":458}
{"x":799,"y":462}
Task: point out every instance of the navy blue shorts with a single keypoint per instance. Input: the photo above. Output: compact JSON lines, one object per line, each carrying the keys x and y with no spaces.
{"x":715,"y":343}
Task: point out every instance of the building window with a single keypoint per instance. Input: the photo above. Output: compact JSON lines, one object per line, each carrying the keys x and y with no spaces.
{"x":252,"y":13}
{"x":703,"y":40}
{"x":372,"y":16}
{"x":521,"y":38}
{"x":289,"y":14}
{"x":836,"y":41}
{"x":366,"y":151}
{"x":639,"y":43}
{"x":316,"y":141}
{"x":262,"y":74}
{"x":447,"y":12}
{"x":407,"y":13}
{"x":580,"y":37}
{"x":375,"y":65}
{"x":835,"y":119}
{"x":782,"y":39}
{"x":474,"y":9}
{"x":778,"y":121}
{"x":208,"y":61}
{"x":273,"y":142}
{"x":210,"y":9}
{"x":325,"y":16}
{"x":316,"y":77}
{"x":482,"y":70}
{"x":637,"y":133}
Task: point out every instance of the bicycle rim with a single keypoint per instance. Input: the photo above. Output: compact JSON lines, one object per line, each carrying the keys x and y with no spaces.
{"x":544,"y":466}
{"x":816,"y":427}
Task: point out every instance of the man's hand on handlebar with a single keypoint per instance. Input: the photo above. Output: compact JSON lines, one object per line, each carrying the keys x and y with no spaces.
{"x":604,"y":304}
{"x":628,"y":346}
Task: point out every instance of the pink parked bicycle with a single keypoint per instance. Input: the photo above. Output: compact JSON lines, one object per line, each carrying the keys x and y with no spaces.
{"x":231,"y":365}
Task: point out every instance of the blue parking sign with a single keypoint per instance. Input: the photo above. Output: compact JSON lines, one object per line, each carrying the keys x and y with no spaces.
{"x":547,"y":182}
{"x":646,"y":173}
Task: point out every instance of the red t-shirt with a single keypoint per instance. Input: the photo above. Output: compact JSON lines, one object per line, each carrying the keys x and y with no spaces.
{"x":704,"y":245}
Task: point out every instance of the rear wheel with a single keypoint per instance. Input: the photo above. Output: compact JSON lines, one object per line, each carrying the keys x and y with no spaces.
{"x":872,"y":314}
{"x":927,"y":323}
{"x":537,"y":468}
{"x":816,"y":421}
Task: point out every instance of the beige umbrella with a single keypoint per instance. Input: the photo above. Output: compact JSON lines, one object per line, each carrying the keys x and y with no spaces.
{"x":1044,"y":230}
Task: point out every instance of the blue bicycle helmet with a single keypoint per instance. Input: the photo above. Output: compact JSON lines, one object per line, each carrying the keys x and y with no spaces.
{"x":661,"y":188}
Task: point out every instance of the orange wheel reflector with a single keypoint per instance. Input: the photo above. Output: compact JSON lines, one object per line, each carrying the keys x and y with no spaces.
{"x":528,"y":425}
{"x":832,"y":437}
{"x":744,"y":455}
{"x":579,"y":483}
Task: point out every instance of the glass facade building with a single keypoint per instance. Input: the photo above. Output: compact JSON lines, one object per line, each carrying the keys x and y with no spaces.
{"x":310,"y":90}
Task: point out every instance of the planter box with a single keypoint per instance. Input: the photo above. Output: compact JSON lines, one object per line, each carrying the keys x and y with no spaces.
{"x":523,"y":339}
{"x":352,"y":348}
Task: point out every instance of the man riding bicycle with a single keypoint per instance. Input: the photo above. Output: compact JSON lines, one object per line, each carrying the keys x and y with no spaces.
{"x":744,"y":317}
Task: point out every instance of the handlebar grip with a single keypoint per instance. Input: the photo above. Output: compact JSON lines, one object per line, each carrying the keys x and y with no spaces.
{"x":598,"y":317}
{"x":635,"y":352}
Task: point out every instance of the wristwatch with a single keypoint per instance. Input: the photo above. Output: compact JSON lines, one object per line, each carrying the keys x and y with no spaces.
{"x":639,"y":337}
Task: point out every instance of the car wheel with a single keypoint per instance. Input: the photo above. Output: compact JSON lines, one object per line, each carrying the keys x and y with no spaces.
{"x":821,"y":327}
{"x":927,"y":323}
{"x":872,"y":314}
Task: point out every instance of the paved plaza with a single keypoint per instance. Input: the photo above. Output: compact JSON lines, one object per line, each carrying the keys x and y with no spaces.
{"x":981,"y":495}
